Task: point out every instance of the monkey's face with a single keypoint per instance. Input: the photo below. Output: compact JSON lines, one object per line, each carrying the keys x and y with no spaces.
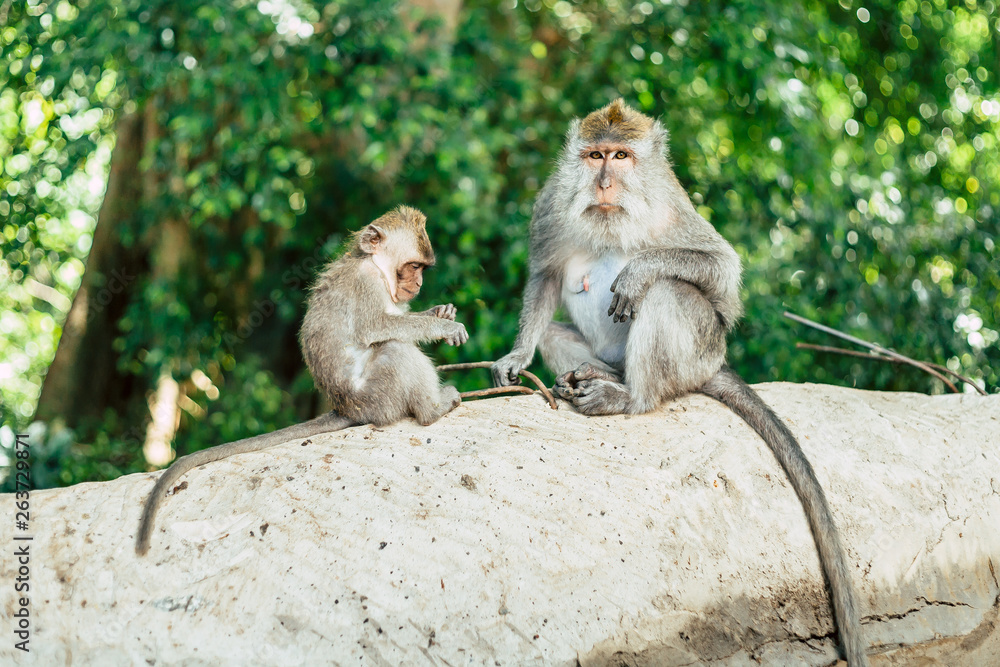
{"x":608,"y":171}
{"x":409,"y":278}
{"x":401,"y":256}
{"x":411,"y":252}
{"x":611,"y":177}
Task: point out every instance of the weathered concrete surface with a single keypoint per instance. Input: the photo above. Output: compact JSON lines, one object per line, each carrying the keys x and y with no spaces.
{"x":509,"y":534}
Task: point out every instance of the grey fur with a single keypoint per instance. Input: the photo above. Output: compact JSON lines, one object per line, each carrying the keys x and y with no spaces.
{"x":652,"y":289}
{"x":360,"y":346}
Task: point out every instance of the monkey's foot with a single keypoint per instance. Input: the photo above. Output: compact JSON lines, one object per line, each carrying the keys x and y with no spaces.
{"x":593,"y":390}
{"x":601,"y":397}
{"x":450,"y":396}
{"x":427,"y":413}
{"x":566,"y":384}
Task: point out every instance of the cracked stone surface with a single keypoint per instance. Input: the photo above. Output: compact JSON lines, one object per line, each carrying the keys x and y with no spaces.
{"x":509,"y":534}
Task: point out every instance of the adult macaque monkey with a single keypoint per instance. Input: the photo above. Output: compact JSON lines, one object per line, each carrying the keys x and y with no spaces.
{"x":652,"y":289}
{"x":360,"y":345}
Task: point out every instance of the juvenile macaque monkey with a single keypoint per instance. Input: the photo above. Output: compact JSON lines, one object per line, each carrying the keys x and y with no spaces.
{"x":652,"y":290}
{"x":360,"y":344}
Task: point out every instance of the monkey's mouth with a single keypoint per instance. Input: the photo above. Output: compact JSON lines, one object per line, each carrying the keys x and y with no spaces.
{"x":604,"y":207}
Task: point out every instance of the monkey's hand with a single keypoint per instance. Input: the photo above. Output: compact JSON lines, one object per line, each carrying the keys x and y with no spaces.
{"x":455,"y":334}
{"x":629,"y":287}
{"x":505,"y":371}
{"x":445,"y":312}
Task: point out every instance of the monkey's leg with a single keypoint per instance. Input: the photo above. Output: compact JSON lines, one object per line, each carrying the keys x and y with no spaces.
{"x":675,"y":350}
{"x":427,"y":412}
{"x":403,"y":383}
{"x":565,"y":351}
{"x":429,"y":400}
{"x":676,"y":343}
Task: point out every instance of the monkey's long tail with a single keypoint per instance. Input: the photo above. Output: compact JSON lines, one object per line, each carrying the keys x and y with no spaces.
{"x":327,"y":423}
{"x":730,"y":389}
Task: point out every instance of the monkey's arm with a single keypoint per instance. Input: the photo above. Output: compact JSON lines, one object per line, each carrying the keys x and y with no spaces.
{"x":716,"y":272}
{"x":413,"y":328}
{"x":541,"y":297}
{"x":376,"y":319}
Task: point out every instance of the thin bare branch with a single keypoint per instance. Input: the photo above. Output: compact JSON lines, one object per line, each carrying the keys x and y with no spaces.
{"x":465,"y":366}
{"x":879,"y":357}
{"x":969,"y":381}
{"x":492,"y":391}
{"x":902,"y":358}
{"x":849,"y":353}
{"x":486,"y":364}
{"x":542,"y":388}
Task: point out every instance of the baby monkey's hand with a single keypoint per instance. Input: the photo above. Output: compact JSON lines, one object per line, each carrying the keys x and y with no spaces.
{"x":445,"y":312}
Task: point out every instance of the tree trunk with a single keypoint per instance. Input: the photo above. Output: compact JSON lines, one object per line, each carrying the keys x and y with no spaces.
{"x":84,"y":379}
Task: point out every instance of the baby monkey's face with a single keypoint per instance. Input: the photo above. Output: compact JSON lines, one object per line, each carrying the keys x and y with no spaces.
{"x":401,"y":255}
{"x":409,"y":278}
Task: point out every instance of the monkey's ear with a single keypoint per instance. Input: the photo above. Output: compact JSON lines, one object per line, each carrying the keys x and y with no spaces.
{"x":372,"y":238}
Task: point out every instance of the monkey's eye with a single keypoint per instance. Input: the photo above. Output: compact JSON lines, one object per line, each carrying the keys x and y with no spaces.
{"x":596,"y":155}
{"x":621,"y":155}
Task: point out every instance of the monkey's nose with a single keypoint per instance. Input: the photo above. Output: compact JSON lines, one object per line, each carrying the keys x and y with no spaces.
{"x":606,"y":182}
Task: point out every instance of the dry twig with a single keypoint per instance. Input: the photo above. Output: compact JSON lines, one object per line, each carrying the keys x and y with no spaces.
{"x":486,"y":364}
{"x":879,"y":357}
{"x":885,"y":352}
{"x":492,"y":391}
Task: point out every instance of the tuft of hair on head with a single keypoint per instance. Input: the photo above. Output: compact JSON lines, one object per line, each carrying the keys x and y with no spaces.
{"x":615,"y":123}
{"x":402,"y":218}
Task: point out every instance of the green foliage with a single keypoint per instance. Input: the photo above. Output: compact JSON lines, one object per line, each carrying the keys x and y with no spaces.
{"x":850,"y":153}
{"x":256,"y":404}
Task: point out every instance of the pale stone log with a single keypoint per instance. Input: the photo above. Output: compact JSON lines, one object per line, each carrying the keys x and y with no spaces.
{"x":511,"y":534}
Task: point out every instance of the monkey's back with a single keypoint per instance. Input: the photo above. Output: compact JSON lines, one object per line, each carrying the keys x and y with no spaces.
{"x":332,"y":334}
